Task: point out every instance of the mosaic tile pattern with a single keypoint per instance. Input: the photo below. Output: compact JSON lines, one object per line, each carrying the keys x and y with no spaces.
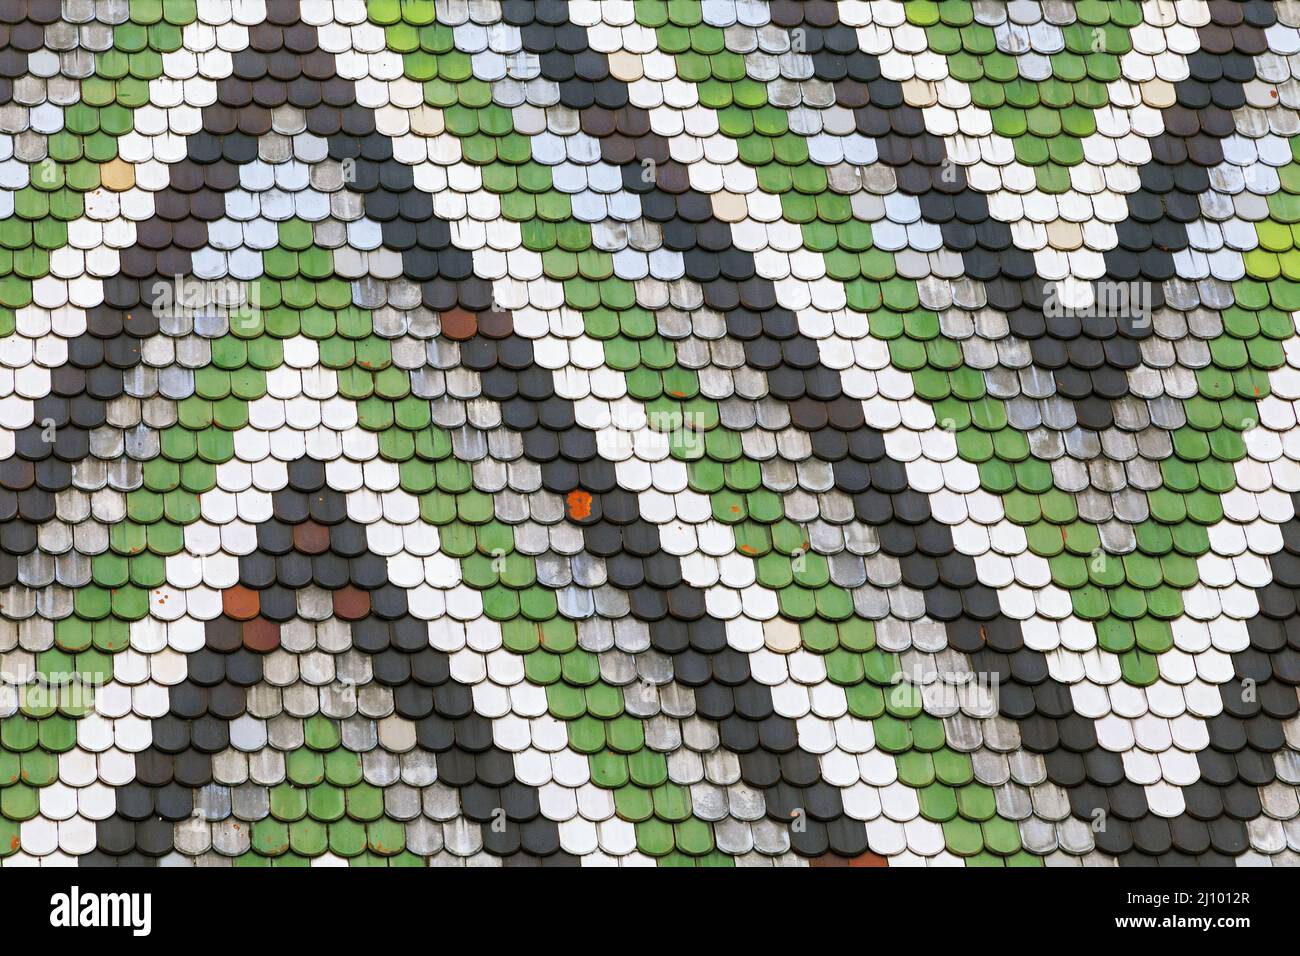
{"x":649,"y":432}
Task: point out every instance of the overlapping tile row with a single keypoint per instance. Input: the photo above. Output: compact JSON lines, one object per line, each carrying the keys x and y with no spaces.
{"x":649,"y":432}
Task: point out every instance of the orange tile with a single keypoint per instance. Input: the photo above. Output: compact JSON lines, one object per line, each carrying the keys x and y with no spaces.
{"x":240,"y":603}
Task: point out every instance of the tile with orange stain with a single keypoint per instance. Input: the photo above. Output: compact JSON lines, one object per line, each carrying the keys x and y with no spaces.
{"x":579,"y":504}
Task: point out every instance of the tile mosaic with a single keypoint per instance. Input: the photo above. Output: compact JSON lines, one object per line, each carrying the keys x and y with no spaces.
{"x":649,"y":432}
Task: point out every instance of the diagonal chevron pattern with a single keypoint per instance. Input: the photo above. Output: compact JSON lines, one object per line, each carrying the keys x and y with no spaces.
{"x":649,"y":432}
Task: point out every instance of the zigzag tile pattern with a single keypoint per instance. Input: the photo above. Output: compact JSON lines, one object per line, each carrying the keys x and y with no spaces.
{"x":649,"y":433}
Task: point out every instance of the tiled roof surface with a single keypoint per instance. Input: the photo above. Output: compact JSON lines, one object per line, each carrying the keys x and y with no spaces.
{"x":649,"y":432}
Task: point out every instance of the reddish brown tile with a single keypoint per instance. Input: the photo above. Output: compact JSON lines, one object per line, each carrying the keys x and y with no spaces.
{"x":261,"y":635}
{"x":351,"y":603}
{"x":240,"y":603}
{"x":459,"y":324}
{"x":311,"y":538}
